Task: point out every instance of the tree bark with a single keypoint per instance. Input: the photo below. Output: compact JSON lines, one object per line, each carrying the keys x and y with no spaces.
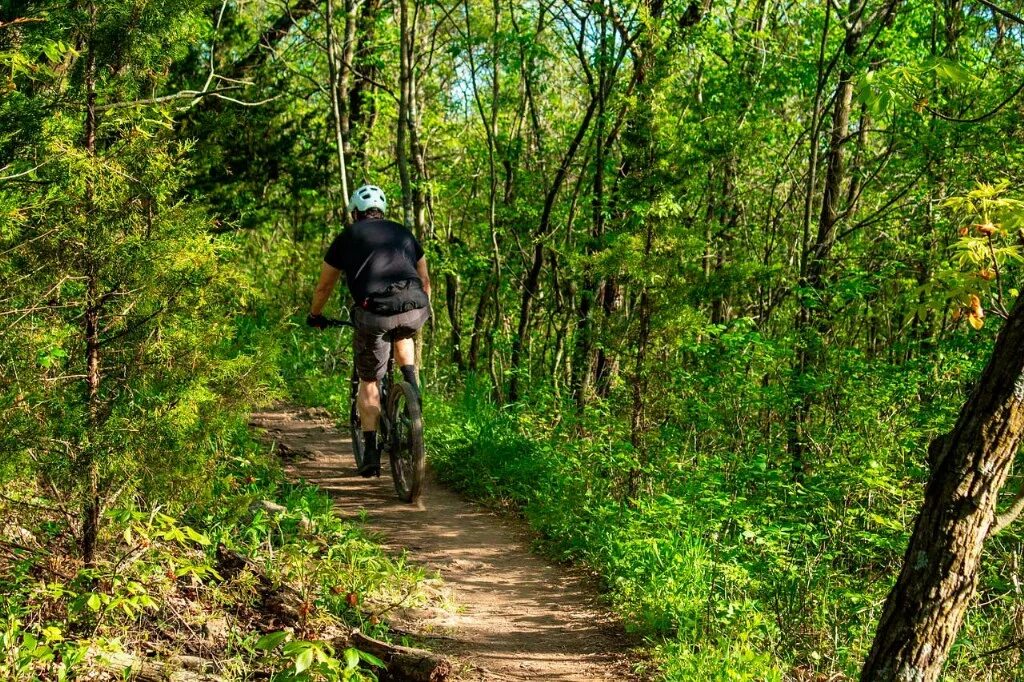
{"x":478,"y":323}
{"x":606,"y":364}
{"x":362,"y":107}
{"x":404,"y":103}
{"x":926,"y":607}
{"x":640,"y":383}
{"x":582,"y":375}
{"x":816,"y":254}
{"x":453,"y":302}
{"x":335,"y":85}
{"x":403,"y":663}
{"x":90,"y":467}
{"x":174,"y":669}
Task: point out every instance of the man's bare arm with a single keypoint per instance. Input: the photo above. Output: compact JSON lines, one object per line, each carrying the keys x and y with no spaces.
{"x":421,"y":270}
{"x":328,"y":278}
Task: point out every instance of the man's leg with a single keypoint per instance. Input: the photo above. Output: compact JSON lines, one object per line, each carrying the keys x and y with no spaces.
{"x":405,"y":356}
{"x":368,"y":404}
{"x":371,"y":357}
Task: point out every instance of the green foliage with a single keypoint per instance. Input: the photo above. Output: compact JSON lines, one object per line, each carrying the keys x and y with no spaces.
{"x":157,"y":582}
{"x":730,"y":568}
{"x":305,"y":660}
{"x":119,"y":370}
{"x":736,"y":449}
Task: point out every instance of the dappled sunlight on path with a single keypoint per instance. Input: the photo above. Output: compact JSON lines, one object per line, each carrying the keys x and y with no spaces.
{"x":517,"y":617}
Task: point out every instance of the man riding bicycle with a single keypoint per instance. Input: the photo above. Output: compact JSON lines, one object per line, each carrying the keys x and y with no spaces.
{"x":386,"y":273}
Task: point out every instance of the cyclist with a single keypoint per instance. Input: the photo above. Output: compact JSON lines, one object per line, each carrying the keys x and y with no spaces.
{"x":386,"y":273}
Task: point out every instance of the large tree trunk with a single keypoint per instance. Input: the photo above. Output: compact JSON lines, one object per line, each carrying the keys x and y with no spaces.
{"x":927,"y":605}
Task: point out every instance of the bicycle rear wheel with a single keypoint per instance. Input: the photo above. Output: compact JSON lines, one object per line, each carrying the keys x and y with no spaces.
{"x":408,"y":460}
{"x":355,"y":423}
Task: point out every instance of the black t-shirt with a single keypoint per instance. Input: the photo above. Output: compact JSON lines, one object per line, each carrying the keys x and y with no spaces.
{"x":374,"y":254}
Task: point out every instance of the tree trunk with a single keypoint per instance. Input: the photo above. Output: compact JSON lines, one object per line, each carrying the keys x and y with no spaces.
{"x":91,"y":504}
{"x":816,"y":254}
{"x":362,"y":107}
{"x":478,"y":324}
{"x":404,"y":102}
{"x":453,"y":302}
{"x":639,"y":379}
{"x":344,"y":87}
{"x":418,"y":155}
{"x":583,"y":365}
{"x":543,"y":227}
{"x":332,"y":70}
{"x":606,"y":364}
{"x":90,"y":467}
{"x":926,"y":607}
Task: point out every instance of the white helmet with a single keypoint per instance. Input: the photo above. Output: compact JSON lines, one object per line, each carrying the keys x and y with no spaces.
{"x":367,"y":197}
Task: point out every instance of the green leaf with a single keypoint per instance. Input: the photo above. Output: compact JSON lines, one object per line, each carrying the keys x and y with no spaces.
{"x":93,"y":602}
{"x":270,"y":641}
{"x":371,"y":659}
{"x":304,"y":660}
{"x":197,"y":537}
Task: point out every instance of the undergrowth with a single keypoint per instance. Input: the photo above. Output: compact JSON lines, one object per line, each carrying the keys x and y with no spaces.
{"x":729,"y":567}
{"x":159,"y":589}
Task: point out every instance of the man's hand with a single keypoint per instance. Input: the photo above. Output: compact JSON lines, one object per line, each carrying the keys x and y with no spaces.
{"x":317,"y":321}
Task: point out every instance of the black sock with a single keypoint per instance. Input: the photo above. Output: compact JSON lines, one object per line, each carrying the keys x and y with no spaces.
{"x":409,"y":374}
{"x":371,"y":459}
{"x":370,"y":444}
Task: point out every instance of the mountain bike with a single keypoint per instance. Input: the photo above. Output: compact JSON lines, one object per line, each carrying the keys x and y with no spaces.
{"x":399,"y":430}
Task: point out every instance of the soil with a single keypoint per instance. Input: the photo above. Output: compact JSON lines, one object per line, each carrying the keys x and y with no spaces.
{"x":516,"y":616}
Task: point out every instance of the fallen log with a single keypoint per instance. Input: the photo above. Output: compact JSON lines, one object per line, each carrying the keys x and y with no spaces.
{"x":277,"y":599}
{"x":404,"y":664}
{"x":174,"y":669}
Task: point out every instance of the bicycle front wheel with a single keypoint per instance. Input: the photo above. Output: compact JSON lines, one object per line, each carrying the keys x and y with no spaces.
{"x":408,"y":460}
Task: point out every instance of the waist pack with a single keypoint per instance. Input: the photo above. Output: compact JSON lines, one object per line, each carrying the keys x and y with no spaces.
{"x":397,"y":298}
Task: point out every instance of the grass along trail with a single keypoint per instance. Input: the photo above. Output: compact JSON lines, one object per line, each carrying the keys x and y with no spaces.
{"x":516,"y":616}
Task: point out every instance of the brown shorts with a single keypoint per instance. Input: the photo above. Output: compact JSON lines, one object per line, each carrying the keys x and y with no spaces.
{"x":375,"y":334}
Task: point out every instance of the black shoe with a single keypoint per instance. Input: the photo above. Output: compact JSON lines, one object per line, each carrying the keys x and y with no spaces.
{"x":371,"y":465}
{"x":369,"y":471}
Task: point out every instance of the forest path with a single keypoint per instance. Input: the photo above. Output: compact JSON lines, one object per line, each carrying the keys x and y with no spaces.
{"x":517,"y":617}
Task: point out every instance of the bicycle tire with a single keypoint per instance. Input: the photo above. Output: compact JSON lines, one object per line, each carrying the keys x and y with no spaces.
{"x":408,"y":458}
{"x":355,"y":423}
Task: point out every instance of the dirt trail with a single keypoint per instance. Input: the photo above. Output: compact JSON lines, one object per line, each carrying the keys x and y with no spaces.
{"x":517,"y":617}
